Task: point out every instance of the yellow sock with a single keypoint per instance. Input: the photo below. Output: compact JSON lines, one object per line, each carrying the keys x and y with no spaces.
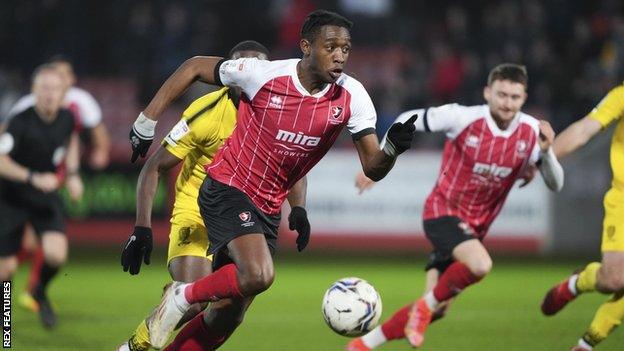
{"x":587,"y":278}
{"x":140,"y":339}
{"x":607,"y":318}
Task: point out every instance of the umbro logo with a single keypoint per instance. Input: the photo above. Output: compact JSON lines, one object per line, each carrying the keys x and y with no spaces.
{"x":276,"y":102}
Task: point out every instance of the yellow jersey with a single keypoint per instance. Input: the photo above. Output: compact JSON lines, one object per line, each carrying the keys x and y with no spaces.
{"x":196,"y":138}
{"x":609,"y":110}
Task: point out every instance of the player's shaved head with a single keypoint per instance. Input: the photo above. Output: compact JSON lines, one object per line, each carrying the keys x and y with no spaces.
{"x":319,"y":18}
{"x":65,"y":67}
{"x":48,"y":87}
{"x":249,"y":48}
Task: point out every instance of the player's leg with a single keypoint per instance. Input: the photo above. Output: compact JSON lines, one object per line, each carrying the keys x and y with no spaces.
{"x":187,"y":261}
{"x":394,"y":328}
{"x":33,"y":251}
{"x":12,"y":221}
{"x":609,"y":278}
{"x":210,"y":329}
{"x":605,"y":277}
{"x":235,"y":227}
{"x":608,"y":316}
{"x":250,"y":274}
{"x":54,"y":245}
{"x":449,"y":235}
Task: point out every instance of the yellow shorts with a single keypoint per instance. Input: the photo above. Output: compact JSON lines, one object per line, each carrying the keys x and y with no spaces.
{"x":187,"y":238}
{"x":613,"y":224}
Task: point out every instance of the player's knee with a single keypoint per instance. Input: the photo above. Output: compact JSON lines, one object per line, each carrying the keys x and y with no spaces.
{"x":482,"y":267}
{"x":56,"y":258}
{"x":7,"y":269}
{"x":256,"y":279}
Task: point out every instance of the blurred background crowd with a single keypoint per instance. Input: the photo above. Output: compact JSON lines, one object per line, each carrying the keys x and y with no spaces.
{"x":406,"y":53}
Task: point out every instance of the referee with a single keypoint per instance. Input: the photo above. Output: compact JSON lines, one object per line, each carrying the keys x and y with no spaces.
{"x":39,"y":152}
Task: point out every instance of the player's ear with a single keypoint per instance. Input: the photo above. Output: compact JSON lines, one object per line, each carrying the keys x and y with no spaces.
{"x":487,"y":93}
{"x":305,"y":46}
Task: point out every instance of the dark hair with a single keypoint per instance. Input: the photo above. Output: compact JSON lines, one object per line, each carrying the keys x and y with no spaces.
{"x":42,"y":68}
{"x":319,"y":18}
{"x":249,"y":45}
{"x":509,"y":71}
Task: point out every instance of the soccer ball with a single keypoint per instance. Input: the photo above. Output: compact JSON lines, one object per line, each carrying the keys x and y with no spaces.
{"x":351,"y":307}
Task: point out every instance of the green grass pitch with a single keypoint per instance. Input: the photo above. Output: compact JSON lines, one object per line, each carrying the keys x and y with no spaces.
{"x":99,"y":306}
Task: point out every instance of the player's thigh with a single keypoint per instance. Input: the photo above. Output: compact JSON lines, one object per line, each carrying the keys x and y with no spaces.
{"x":613,"y":228}
{"x":8,"y":266}
{"x":12,"y":222}
{"x":611,"y":272}
{"x":473,"y":254}
{"x":54,"y":245}
{"x":187,"y":254}
{"x":251,"y":254}
{"x":30,"y":242}
{"x":237,"y":230}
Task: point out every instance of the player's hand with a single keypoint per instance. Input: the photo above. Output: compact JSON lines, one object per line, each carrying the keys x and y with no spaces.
{"x":46,"y":182}
{"x":298,"y":220}
{"x":75,"y":187}
{"x":138,"y":248}
{"x":528,"y":175}
{"x":400,"y":137}
{"x":546,"y":136}
{"x":363,"y":183}
{"x":141,"y":136}
{"x":99,"y":159}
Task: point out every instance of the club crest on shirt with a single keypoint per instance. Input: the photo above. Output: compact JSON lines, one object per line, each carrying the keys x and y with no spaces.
{"x":336,"y":111}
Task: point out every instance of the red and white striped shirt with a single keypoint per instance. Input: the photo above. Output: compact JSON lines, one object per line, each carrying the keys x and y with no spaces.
{"x":282,"y":130}
{"x":480,"y":163}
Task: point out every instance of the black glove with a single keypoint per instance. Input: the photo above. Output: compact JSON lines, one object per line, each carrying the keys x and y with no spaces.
{"x":140,"y":144}
{"x":400,"y":136}
{"x":138,"y":248}
{"x":298,"y":220}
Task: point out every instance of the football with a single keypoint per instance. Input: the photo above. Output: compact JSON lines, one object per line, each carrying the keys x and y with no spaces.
{"x":351,"y":307}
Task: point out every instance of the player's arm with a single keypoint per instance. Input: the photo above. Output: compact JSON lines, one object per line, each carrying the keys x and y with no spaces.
{"x":575,"y":136}
{"x":139,"y":245}
{"x":610,"y":109}
{"x":100,"y":146}
{"x":298,"y":217}
{"x":548,"y":165}
{"x":200,"y":68}
{"x":73,"y":182}
{"x":159,"y":163}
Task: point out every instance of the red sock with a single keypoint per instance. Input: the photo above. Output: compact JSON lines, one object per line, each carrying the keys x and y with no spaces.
{"x":394,"y":327}
{"x":218,"y":285}
{"x":453,"y":281}
{"x":35,"y":268}
{"x":196,"y":337}
{"x":22,"y":256}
